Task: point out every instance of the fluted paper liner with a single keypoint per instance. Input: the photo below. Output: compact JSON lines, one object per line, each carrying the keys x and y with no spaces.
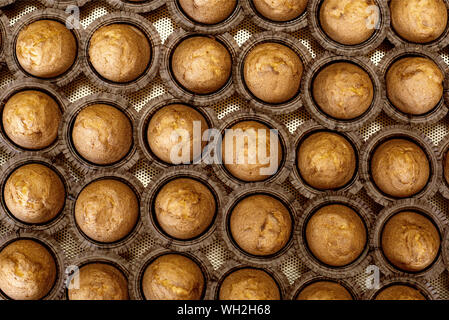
{"x":137,"y":7}
{"x":443,"y":148}
{"x":5,"y":33}
{"x":445,"y":248}
{"x":4,"y":3}
{"x":63,"y":4}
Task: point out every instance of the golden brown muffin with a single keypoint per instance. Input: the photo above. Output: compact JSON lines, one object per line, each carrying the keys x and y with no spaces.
{"x":208,"y":11}
{"x":99,"y":281}
{"x":343,"y":90}
{"x":27,"y":270}
{"x":326,"y":160}
{"x":419,"y":21}
{"x":34,"y":194}
{"x":178,"y":120}
{"x":410,"y":241}
{"x":31,"y":119}
{"x":201,"y":65}
{"x":241,"y":158}
{"x":336,"y":235}
{"x":414,"y":85}
{"x":324,"y":290}
{"x":400,"y":292}
{"x":106,"y":210}
{"x":348,"y":22}
{"x":173,"y":277}
{"x":261,"y":225}
{"x":185,"y":208}
{"x":272,"y":72}
{"x":102,"y":134}
{"x":46,"y":48}
{"x":280,"y":10}
{"x":119,"y":52}
{"x":400,"y":168}
{"x":249,"y":284}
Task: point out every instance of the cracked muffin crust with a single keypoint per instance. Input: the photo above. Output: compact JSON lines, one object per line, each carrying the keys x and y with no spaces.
{"x":324,"y":290}
{"x":208,"y":11}
{"x":399,"y":292}
{"x":280,"y":10}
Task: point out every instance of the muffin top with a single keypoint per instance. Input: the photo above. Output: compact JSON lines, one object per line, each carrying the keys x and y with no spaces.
{"x":241,"y":157}
{"x":31,"y":119}
{"x":249,"y":284}
{"x":343,"y":90}
{"x":27,"y":270}
{"x":324,"y":290}
{"x":348,"y":22}
{"x":280,"y":10}
{"x":173,"y":277}
{"x":326,"y":160}
{"x":417,"y":20}
{"x":102,"y":134}
{"x":99,"y":281}
{"x":201,"y":65}
{"x":184,"y":208}
{"x":46,"y":48}
{"x":169,"y":124}
{"x":208,"y":11}
{"x":119,"y":52}
{"x":400,"y":292}
{"x":272,"y":72}
{"x":400,"y":168}
{"x":34,"y":194}
{"x":261,"y":225}
{"x":410,"y":241}
{"x":106,"y":210}
{"x":414,"y":85}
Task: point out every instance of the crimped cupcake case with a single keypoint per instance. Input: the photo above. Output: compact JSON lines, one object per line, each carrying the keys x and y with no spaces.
{"x":443,"y":149}
{"x":136,"y":6}
{"x":423,"y":286}
{"x":63,"y":4}
{"x":445,"y":248}
{"x":4,"y":3}
{"x":5,"y":33}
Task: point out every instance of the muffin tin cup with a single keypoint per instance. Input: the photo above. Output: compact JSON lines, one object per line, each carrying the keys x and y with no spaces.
{"x":259,"y":38}
{"x":175,"y":88}
{"x":56,"y":251}
{"x":284,"y":136}
{"x":312,"y":107}
{"x":148,"y":211}
{"x":31,"y":84}
{"x":392,"y":132}
{"x":63,"y":4}
{"x":154,"y":40}
{"x":225,"y":233}
{"x":37,"y":15}
{"x":438,"y":218}
{"x":183,"y":20}
{"x":303,"y":131}
{"x":5,"y":33}
{"x":350,"y":270}
{"x":445,"y":248}
{"x":119,"y":246}
{"x":145,"y":116}
{"x":65,"y":132}
{"x":138,"y":269}
{"x":137,"y":7}
{"x":52,"y":226}
{"x":443,"y":149}
{"x":348,"y":50}
{"x":439,"y":111}
{"x":4,"y":3}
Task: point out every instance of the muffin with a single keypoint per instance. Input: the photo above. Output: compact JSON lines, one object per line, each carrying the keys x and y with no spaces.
{"x":184,"y":208}
{"x":201,"y":65}
{"x":418,"y":21}
{"x":31,"y":119}
{"x":119,"y":52}
{"x":400,"y":168}
{"x":260,"y":225}
{"x":241,"y":158}
{"x":99,"y":281}
{"x":249,"y":284}
{"x":272,"y":72}
{"x":46,"y":48}
{"x":324,"y":290}
{"x":208,"y":11}
{"x":326,"y":160}
{"x":173,"y":277}
{"x":410,"y":241}
{"x":102,"y":134}
{"x":27,"y":270}
{"x":106,"y":210}
{"x":414,"y":85}
{"x":399,"y":292}
{"x":343,"y":91}
{"x":178,"y":120}
{"x":446,"y":167}
{"x":34,"y":194}
{"x":280,"y":10}
{"x":349,"y":22}
{"x":336,"y":235}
